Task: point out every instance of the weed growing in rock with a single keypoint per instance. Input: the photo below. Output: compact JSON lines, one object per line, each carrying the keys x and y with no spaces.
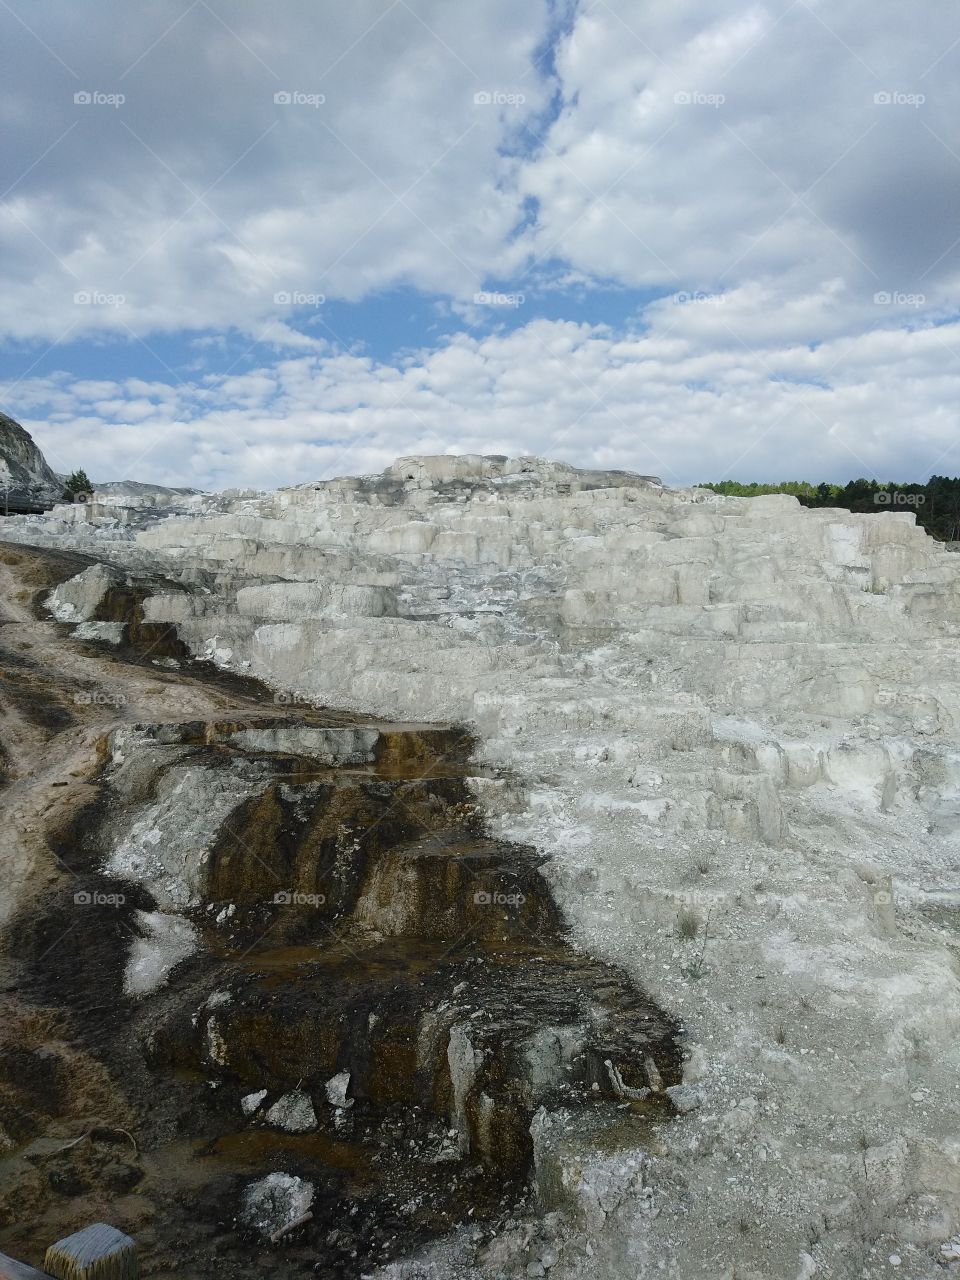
{"x":688,"y":924}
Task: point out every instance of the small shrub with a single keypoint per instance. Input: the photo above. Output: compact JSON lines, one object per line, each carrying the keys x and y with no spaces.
{"x":688,"y":924}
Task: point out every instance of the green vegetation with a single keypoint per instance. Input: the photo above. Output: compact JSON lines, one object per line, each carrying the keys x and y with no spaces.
{"x":935,"y":503}
{"x":78,"y":482}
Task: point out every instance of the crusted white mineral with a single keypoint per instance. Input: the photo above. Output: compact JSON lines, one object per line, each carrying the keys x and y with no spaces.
{"x":732,"y":724}
{"x":293,"y":1112}
{"x":275,"y":1203}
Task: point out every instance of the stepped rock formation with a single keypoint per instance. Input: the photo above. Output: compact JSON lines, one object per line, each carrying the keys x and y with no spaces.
{"x":730,"y":725}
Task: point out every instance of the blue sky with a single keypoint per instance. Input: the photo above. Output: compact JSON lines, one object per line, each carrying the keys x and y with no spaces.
{"x":256,"y":248}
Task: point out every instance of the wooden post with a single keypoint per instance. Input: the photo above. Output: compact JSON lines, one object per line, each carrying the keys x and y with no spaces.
{"x":96,"y":1253}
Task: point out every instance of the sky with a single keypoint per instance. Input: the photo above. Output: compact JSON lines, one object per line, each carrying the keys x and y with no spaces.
{"x":251,"y":245}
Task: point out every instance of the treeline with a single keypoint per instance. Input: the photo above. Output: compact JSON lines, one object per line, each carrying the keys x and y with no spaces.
{"x":936,"y":503}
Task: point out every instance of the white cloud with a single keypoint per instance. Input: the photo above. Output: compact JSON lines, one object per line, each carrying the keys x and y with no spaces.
{"x":659,"y":402}
{"x":775,"y":164}
{"x":198,"y":198}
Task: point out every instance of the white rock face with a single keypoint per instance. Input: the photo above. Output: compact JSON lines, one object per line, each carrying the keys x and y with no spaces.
{"x":165,"y":940}
{"x":732,"y":723}
{"x":166,"y":845}
{"x":78,"y":599}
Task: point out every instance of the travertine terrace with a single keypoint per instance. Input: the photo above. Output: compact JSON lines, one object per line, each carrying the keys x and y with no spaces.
{"x":731,"y":726}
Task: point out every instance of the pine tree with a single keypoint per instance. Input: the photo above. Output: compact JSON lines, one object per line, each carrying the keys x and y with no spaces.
{"x":77,"y":483}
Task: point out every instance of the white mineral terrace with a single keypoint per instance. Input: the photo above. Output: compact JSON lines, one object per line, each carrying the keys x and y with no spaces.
{"x":727,"y":718}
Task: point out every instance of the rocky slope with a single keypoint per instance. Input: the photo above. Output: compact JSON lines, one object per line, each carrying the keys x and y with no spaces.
{"x":27,"y":482}
{"x":273,"y":955}
{"x":731,"y":724}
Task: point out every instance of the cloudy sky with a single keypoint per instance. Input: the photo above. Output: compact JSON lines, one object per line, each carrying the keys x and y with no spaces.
{"x":258,"y":245}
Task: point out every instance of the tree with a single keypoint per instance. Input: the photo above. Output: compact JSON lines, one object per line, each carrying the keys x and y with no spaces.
{"x":77,"y":483}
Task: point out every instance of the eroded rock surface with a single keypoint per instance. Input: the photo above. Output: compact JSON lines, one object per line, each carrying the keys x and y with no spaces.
{"x":731,"y":724}
{"x":329,"y":1009}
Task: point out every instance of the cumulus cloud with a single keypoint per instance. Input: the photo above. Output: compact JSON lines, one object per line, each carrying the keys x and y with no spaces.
{"x":667,"y":401}
{"x":197,"y":160}
{"x":773,"y":187}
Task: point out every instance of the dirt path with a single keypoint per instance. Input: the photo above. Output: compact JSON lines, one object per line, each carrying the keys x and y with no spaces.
{"x":58,"y":700}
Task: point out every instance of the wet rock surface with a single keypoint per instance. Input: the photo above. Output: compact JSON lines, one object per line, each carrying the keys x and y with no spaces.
{"x":325,"y":1008}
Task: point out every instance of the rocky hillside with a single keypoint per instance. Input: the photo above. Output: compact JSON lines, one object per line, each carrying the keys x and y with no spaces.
{"x":27,"y":482}
{"x":731,"y":725}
